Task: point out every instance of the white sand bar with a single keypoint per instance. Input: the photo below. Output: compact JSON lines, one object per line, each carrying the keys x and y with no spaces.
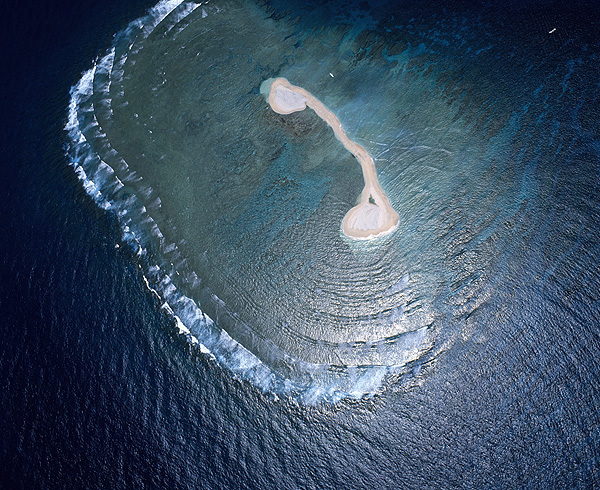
{"x":373,"y":216}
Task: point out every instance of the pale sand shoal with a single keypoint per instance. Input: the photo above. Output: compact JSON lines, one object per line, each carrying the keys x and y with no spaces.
{"x":373,"y":216}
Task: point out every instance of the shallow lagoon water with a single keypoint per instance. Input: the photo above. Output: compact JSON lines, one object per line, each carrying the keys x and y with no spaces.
{"x":234,"y":211}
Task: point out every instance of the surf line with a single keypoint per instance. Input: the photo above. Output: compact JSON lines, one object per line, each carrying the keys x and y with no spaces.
{"x":373,"y":216}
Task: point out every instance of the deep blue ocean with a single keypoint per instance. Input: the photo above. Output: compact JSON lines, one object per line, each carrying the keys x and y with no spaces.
{"x":180,"y":343}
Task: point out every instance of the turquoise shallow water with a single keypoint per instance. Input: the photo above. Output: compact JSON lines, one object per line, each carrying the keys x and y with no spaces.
{"x":235,"y":211}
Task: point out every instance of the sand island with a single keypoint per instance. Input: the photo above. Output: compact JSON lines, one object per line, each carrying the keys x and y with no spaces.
{"x":373,"y":216}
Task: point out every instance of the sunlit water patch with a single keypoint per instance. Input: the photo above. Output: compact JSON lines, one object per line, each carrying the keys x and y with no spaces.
{"x":234,"y":211}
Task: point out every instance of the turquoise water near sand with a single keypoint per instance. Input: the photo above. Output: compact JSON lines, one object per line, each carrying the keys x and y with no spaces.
{"x":235,"y":211}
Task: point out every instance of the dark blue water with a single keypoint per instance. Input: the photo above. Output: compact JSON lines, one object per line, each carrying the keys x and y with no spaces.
{"x":98,"y":390}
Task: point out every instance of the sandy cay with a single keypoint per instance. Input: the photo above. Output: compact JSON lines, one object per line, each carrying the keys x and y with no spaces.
{"x":373,"y":216}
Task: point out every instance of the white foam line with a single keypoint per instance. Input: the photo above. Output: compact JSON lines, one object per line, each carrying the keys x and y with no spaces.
{"x":149,"y":22}
{"x":185,"y":11}
{"x":161,"y":10}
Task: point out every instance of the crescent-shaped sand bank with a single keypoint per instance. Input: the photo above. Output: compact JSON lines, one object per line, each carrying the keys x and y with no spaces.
{"x":373,"y":216}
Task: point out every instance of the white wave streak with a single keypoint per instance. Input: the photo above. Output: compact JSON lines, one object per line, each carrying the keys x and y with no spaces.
{"x":175,"y":10}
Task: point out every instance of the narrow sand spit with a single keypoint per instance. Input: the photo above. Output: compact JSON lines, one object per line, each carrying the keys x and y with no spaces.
{"x":373,"y":216}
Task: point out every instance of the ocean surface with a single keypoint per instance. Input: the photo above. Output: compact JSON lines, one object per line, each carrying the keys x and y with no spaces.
{"x":179,"y":306}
